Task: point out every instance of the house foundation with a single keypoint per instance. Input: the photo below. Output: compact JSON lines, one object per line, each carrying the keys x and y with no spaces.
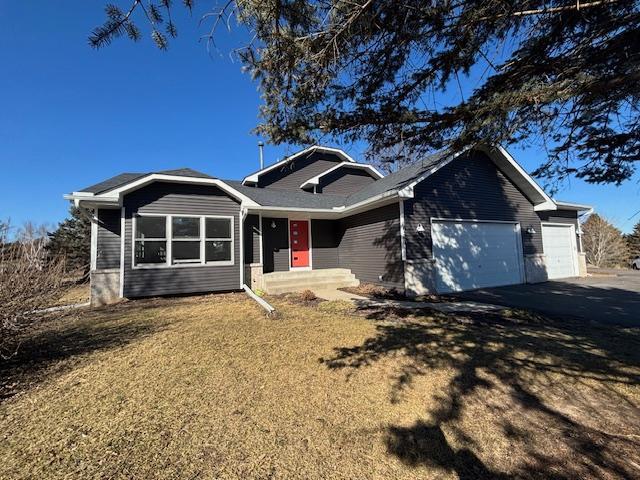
{"x":535,"y":268}
{"x":419,"y":277}
{"x":105,"y":287}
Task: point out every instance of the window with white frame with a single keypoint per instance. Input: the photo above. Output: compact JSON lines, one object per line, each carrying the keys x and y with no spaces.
{"x":150,"y":240}
{"x":185,"y":240}
{"x":182,"y":240}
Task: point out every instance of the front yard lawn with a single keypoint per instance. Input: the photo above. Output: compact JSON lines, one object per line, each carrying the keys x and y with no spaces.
{"x":208,"y":387}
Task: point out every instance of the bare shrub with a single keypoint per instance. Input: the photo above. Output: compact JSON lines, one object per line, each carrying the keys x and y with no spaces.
{"x":603,"y":243}
{"x":308,"y":296}
{"x":30,"y":281}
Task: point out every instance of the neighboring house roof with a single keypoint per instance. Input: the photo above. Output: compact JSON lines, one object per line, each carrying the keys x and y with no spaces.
{"x":253,"y":177}
{"x":361,"y":166}
{"x":124,"y":178}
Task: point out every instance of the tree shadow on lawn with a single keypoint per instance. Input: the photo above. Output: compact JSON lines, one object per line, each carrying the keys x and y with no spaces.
{"x":57,"y":344}
{"x":552,"y":390}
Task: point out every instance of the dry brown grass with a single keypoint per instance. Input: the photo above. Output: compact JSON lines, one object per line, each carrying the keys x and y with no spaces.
{"x":75,"y":294}
{"x":208,"y":387}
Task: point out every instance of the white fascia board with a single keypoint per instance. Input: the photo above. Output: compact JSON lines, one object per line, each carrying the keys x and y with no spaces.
{"x":159,"y":177}
{"x":545,"y":207}
{"x":363,"y":166}
{"x":573,"y":206}
{"x":547,"y":203}
{"x":253,"y":178}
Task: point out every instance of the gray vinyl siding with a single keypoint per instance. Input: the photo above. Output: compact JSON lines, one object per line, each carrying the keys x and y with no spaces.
{"x":470,"y":188}
{"x":325,"y":239}
{"x":345,"y":181}
{"x":108,"y":239}
{"x":180,"y":199}
{"x":562,"y":216}
{"x":251,"y":243}
{"x":251,"y":234}
{"x":295,"y":173}
{"x":370,"y":246}
{"x":275,"y":242}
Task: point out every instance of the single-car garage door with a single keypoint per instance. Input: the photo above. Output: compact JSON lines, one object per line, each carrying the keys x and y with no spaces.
{"x":558,"y":242}
{"x":471,"y":255}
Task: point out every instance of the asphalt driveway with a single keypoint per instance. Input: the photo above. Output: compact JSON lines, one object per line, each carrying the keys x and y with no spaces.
{"x":612,"y":299}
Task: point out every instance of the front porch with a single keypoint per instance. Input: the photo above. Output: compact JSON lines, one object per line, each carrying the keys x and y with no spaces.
{"x":299,"y":280}
{"x":293,"y":252}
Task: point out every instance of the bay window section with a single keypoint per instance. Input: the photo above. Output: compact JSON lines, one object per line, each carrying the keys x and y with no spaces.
{"x":180,"y":240}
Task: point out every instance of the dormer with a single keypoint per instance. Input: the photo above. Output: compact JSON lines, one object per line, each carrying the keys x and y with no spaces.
{"x":293,"y":171}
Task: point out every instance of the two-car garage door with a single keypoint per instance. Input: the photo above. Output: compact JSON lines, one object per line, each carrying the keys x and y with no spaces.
{"x":471,"y":254}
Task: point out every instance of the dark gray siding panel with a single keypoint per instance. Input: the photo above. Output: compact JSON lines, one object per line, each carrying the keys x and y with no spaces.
{"x":325,"y":238}
{"x":251,"y":234}
{"x":370,"y":246}
{"x":177,"y":199}
{"x":298,"y":171}
{"x":562,"y":216}
{"x":108,"y":251}
{"x":345,"y":181}
{"x":470,"y":188}
{"x":275,"y":242}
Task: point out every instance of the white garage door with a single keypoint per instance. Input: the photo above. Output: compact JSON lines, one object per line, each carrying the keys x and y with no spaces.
{"x":558,"y":242}
{"x":472,"y":255}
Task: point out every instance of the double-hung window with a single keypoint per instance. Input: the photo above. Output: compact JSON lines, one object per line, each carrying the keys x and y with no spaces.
{"x":182,"y":240}
{"x":150,"y":240}
{"x":219,"y":240}
{"x":186,"y":240}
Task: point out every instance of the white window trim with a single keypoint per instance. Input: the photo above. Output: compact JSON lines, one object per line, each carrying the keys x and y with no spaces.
{"x":169,"y":239}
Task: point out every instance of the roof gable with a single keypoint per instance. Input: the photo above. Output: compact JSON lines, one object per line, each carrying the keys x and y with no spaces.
{"x":343,"y":165}
{"x":254,"y":177}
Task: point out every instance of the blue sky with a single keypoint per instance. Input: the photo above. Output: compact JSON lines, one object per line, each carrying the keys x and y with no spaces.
{"x":71,"y":116}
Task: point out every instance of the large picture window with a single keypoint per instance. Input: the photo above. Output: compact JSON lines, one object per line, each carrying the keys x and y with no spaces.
{"x":180,"y":240}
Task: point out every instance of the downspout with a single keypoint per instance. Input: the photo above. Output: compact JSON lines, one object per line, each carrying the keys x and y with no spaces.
{"x":243,"y":216}
{"x":579,"y":231}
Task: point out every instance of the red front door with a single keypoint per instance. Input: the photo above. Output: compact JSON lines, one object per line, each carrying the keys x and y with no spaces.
{"x":299,"y":236}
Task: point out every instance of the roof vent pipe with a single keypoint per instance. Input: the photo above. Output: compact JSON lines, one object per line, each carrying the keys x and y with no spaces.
{"x":260,"y":149}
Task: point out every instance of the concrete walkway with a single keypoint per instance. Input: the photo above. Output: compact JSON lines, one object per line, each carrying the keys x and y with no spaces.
{"x":365,"y":302}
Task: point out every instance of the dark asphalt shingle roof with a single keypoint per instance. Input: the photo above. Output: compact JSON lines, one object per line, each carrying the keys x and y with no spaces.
{"x":397,"y":180}
{"x":287,"y":198}
{"x":124,"y":178}
{"x":269,"y":197}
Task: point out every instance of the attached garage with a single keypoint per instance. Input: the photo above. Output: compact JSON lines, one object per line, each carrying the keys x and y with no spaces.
{"x":476,"y":254}
{"x":559,"y":244}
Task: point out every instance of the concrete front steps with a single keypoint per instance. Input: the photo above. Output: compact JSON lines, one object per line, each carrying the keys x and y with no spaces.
{"x":298,"y":280}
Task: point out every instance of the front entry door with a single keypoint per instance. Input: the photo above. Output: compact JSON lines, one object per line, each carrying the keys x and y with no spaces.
{"x":299,"y":237}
